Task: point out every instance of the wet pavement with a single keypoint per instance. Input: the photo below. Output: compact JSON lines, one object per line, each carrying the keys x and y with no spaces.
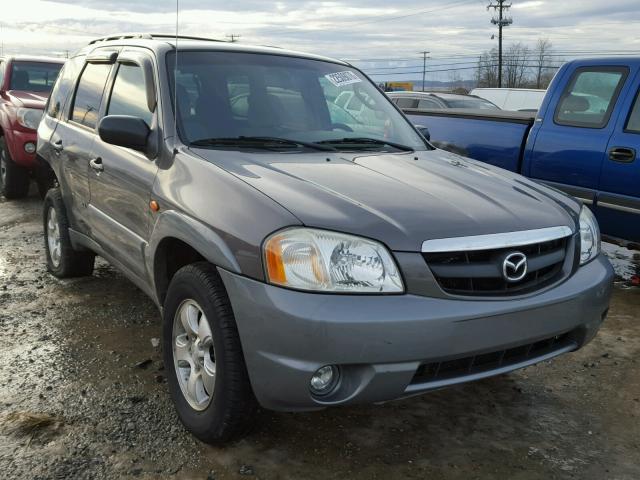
{"x":83,"y":395}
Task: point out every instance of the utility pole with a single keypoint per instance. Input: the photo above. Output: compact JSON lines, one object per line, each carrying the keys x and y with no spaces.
{"x":424,"y":66}
{"x":500,"y":7}
{"x":233,"y":37}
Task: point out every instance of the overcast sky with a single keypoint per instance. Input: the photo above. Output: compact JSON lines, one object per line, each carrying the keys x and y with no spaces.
{"x":453,"y":31}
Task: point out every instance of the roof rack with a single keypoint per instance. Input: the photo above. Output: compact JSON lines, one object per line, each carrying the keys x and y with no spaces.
{"x":149,"y":36}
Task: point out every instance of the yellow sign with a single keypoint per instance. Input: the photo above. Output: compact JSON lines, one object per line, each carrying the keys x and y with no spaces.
{"x":400,"y":86}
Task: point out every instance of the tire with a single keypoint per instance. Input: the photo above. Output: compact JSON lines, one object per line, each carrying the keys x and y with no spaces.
{"x":62,"y":260}
{"x":14,"y":180}
{"x":45,"y":179}
{"x":230,"y":407}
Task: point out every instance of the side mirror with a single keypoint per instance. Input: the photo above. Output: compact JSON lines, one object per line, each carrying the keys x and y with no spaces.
{"x":124,"y":131}
{"x":424,"y":131}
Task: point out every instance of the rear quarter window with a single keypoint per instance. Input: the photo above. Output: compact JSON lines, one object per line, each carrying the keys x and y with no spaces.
{"x":633,"y":122}
{"x":590,"y":97}
{"x":86,"y":104}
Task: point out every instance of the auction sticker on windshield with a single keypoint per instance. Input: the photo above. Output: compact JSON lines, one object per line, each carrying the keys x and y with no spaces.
{"x":340,"y":79}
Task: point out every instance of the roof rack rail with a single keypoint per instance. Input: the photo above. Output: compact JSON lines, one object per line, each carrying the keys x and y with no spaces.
{"x":186,"y":37}
{"x":149,"y":36}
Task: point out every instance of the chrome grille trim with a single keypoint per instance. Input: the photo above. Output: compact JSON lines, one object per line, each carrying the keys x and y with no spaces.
{"x":495,"y":240}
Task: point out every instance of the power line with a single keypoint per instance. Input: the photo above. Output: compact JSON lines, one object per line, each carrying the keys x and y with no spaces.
{"x":386,"y":18}
{"x":474,"y":57}
{"x":467,"y":68}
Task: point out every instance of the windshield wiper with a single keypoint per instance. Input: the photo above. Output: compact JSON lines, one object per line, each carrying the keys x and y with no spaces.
{"x":259,"y":142}
{"x":357,"y":142}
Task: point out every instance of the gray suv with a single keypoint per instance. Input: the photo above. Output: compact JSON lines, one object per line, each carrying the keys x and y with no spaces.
{"x":303,"y":257}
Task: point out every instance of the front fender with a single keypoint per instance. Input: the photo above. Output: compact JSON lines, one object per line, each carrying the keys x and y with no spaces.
{"x":207,"y":242}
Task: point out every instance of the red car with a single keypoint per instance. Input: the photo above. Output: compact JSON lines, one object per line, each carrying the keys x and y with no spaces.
{"x":25,"y":83}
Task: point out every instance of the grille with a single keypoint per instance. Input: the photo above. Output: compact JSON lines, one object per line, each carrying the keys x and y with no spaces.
{"x":461,"y":367}
{"x":479,"y":272}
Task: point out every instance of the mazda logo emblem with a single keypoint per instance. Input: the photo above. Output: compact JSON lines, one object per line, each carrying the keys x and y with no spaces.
{"x":514,"y":267}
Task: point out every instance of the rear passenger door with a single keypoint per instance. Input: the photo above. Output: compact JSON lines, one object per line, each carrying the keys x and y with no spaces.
{"x":72,"y":140}
{"x":570,"y":145}
{"x":618,"y":205}
{"x":121,"y":178}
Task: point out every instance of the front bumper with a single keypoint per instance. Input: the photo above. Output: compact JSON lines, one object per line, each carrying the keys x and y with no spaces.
{"x":383,"y":343}
{"x":16,"y":141}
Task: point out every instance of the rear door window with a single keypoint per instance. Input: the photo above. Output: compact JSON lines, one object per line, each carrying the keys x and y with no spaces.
{"x":407,"y":102}
{"x":427,"y":103}
{"x":590,"y":97}
{"x":63,"y":86}
{"x":129,"y":95}
{"x":86,"y":104}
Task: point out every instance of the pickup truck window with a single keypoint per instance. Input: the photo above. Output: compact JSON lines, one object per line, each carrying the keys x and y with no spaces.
{"x":86,"y":104}
{"x":235,"y":95}
{"x":633,"y":123}
{"x":590,"y":96}
{"x":33,"y":76}
{"x":128,"y":96}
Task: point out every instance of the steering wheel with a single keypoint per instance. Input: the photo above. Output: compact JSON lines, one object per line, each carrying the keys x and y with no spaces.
{"x":341,"y":126}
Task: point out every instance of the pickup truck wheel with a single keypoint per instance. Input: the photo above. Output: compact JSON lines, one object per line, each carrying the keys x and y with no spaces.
{"x":14,"y":180}
{"x":62,"y":260}
{"x":206,"y":371}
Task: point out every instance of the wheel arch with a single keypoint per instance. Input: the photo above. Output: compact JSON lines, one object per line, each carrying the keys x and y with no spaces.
{"x":177,"y":241}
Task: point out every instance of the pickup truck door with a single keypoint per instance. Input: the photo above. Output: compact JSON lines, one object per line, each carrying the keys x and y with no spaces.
{"x":618,"y":204}
{"x":120,"y":179}
{"x":571,"y":141}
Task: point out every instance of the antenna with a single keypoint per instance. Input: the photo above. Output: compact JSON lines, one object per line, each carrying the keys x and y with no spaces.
{"x":175,"y":86}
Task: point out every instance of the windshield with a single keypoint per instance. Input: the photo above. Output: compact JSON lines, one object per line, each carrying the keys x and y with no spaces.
{"x":470,"y":102}
{"x":34,"y":76}
{"x":229,"y":95}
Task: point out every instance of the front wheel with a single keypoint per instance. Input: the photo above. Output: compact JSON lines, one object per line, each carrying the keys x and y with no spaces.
{"x":14,"y":180}
{"x":62,"y":259}
{"x":206,"y":371}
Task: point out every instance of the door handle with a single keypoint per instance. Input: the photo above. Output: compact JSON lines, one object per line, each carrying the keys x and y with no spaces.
{"x":622,"y":154}
{"x":57,"y":146}
{"x":96,"y":165}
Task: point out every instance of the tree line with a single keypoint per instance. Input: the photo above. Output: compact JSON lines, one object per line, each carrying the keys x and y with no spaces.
{"x":522,"y":66}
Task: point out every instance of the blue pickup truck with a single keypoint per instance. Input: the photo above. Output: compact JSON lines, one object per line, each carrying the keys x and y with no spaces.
{"x":584,"y":140}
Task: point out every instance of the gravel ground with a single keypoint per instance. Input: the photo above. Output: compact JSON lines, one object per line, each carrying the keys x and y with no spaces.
{"x":83,"y":395}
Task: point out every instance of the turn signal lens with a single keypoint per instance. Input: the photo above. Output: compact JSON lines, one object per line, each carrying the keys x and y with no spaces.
{"x":589,"y":236}
{"x":318,"y":260}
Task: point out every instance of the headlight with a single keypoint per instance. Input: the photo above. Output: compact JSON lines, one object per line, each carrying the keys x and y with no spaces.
{"x":319,"y":260}
{"x":29,"y":117}
{"x":589,"y":236}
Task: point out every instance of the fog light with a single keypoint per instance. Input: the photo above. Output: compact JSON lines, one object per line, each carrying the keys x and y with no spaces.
{"x":324,"y":380}
{"x":30,"y":147}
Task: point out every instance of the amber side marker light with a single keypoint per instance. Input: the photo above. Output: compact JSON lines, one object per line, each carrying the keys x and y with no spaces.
{"x":273,"y":259}
{"x":154,"y":206}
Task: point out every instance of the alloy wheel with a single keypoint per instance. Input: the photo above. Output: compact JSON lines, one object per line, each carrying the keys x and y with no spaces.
{"x":53,"y":237}
{"x":193,"y":354}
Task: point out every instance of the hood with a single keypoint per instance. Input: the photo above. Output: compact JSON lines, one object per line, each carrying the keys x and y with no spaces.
{"x":21,"y":98}
{"x":400,"y":199}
